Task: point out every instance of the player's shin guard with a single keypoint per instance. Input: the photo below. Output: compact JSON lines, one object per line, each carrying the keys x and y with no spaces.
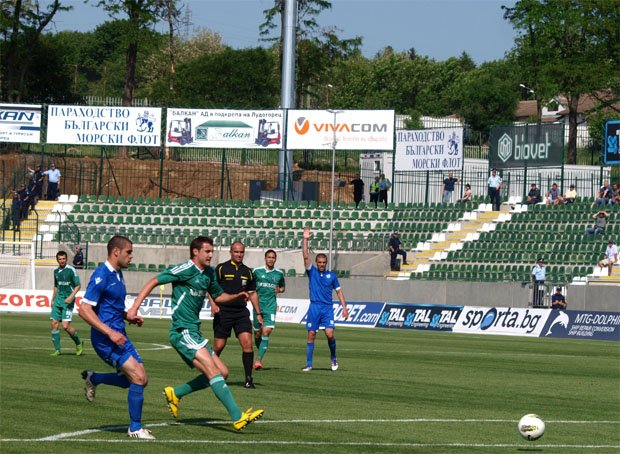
{"x":75,"y":338}
{"x":221,"y":391}
{"x":135,"y":400}
{"x":112,"y":379}
{"x":332,"y":348}
{"x":248,"y":362}
{"x":198,"y":383}
{"x":309,"y":353}
{"x":56,"y":340}
{"x":264,"y":343}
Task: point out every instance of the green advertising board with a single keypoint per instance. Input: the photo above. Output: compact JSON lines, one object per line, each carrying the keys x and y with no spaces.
{"x":538,"y":145}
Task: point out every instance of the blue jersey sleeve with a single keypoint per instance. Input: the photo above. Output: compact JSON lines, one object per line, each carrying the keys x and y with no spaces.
{"x":95,"y":288}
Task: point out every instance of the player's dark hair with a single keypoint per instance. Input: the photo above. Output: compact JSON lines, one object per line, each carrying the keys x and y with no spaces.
{"x":60,"y":254}
{"x":197,"y":244}
{"x":269,"y":251}
{"x":321,"y":255}
{"x":117,"y":241}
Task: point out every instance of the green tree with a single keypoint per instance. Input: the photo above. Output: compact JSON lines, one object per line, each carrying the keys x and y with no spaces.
{"x":248,"y":83}
{"x":569,"y":47}
{"x":142,"y":15}
{"x":486,"y":96}
{"x":22,"y":23}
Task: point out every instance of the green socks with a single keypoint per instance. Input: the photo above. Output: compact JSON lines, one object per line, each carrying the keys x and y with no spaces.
{"x":198,"y":383}
{"x":264,"y":343}
{"x":221,"y":391}
{"x":56,"y":340}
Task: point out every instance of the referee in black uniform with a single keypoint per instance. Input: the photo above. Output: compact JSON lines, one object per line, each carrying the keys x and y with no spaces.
{"x":231,"y":275}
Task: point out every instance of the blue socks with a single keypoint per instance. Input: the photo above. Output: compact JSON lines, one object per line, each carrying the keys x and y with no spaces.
{"x":135,"y":399}
{"x":332,"y":348}
{"x":309,"y":353}
{"x":112,"y":379}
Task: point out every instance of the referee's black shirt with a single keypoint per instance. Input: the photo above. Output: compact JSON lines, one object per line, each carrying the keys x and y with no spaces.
{"x":233,"y":279}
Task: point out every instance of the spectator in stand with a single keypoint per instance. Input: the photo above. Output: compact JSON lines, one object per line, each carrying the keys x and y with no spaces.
{"x":538,"y":276}
{"x":374,"y":191}
{"x":358,"y":190}
{"x":16,"y":210}
{"x":553,"y":195}
{"x":533,"y":197}
{"x":557,"y":300}
{"x":604,"y":195}
{"x":384,"y":187}
{"x":494,"y":184}
{"x":53,"y":180}
{"x":24,"y":196}
{"x":570,"y":196}
{"x":37,"y":176}
{"x":615,"y":197}
{"x":78,"y":258}
{"x":611,"y":257}
{"x":467,"y":195}
{"x":32,"y":188}
{"x":396,"y":249}
{"x":448,"y":188}
{"x":601,"y":220}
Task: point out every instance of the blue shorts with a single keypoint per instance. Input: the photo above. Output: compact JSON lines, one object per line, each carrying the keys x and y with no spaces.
{"x":320,"y":315}
{"x":111,"y":353}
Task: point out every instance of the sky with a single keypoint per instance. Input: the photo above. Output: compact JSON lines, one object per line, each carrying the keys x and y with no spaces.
{"x":439,"y":29}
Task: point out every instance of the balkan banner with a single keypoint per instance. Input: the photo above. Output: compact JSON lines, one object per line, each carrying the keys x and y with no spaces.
{"x":224,"y":128}
{"x":429,"y":149}
{"x":532,"y":145}
{"x":104,"y":125}
{"x":612,"y":140}
{"x":583,"y":325}
{"x":20,"y":123}
{"x":354,"y":129}
{"x":419,"y":316}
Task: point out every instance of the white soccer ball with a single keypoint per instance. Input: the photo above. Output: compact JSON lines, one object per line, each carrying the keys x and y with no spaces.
{"x":531,"y":427}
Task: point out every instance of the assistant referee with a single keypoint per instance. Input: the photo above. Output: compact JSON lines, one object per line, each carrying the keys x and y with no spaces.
{"x":234,"y":277}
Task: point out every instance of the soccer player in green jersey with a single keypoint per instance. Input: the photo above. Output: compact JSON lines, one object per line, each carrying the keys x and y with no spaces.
{"x":269,"y":282}
{"x":66,"y":286}
{"x":191,"y":282}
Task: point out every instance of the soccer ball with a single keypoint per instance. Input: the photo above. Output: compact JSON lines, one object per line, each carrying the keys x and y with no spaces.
{"x":531,"y":427}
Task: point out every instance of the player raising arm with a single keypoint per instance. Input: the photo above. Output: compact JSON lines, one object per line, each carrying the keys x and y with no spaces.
{"x":321,"y":282}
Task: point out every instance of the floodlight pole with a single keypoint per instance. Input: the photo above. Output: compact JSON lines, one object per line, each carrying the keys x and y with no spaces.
{"x":331,"y":204}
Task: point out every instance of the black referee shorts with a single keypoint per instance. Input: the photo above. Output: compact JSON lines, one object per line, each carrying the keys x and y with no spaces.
{"x":225,"y":321}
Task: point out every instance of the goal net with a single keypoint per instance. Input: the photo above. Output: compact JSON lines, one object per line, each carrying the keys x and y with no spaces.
{"x":17,"y":265}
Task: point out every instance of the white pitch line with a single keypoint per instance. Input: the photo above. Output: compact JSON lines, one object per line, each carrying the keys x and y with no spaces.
{"x":69,"y":435}
{"x":323,"y":443}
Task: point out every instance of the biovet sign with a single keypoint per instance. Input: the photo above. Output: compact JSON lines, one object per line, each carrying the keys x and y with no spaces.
{"x":528,"y":145}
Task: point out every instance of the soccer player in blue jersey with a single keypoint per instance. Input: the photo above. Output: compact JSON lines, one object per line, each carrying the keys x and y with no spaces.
{"x":103,"y":308}
{"x":321,"y":282}
{"x":191,"y":282}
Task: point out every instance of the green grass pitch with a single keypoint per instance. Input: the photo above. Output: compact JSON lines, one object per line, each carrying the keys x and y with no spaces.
{"x":396,"y":391}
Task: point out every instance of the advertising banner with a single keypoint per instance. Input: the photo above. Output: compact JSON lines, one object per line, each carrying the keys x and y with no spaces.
{"x":354,"y":129}
{"x":429,"y":149}
{"x":291,"y":310}
{"x":104,"y":125}
{"x":361,"y":314}
{"x":419,"y":316}
{"x":612,"y":140}
{"x":501,"y":320}
{"x":583,"y":325}
{"x":532,"y":145}
{"x":224,"y":128}
{"x":20,"y":123}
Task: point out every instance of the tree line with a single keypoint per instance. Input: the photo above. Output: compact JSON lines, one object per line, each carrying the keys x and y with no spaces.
{"x":563,"y":47}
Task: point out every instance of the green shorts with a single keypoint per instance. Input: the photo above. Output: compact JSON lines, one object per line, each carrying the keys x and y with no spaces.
{"x":269,"y":320}
{"x":62,"y":312}
{"x":187,"y":342}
